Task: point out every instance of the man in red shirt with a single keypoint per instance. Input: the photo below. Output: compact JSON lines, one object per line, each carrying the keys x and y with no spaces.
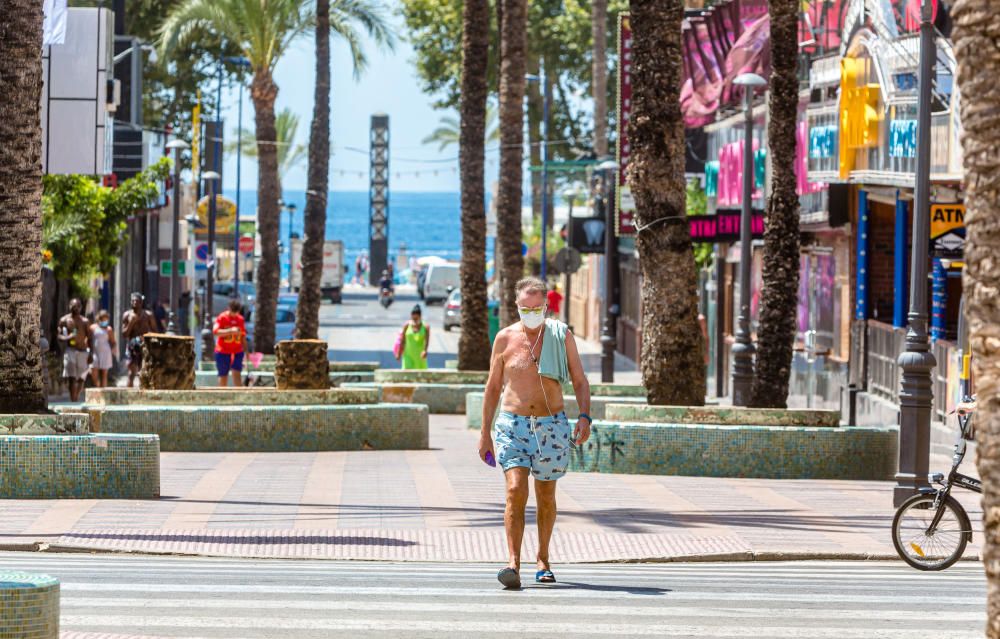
{"x":554,"y":299}
{"x":231,"y":334}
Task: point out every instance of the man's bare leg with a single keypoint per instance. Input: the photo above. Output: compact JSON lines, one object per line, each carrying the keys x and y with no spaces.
{"x":223,"y":380}
{"x":545,"y":504}
{"x":237,"y":378}
{"x":513,"y":516}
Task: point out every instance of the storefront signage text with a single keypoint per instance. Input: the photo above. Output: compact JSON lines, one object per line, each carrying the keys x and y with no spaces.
{"x":724,"y":226}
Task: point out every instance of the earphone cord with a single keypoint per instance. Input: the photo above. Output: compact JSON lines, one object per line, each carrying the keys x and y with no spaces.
{"x":545,"y":397}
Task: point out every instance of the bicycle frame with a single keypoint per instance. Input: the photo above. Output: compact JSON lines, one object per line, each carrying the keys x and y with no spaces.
{"x":955,"y":478}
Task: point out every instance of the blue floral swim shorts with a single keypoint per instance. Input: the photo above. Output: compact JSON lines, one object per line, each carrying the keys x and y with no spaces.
{"x":542,"y":444}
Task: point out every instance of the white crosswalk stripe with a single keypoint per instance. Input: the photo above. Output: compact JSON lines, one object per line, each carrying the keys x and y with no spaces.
{"x":212,"y":598}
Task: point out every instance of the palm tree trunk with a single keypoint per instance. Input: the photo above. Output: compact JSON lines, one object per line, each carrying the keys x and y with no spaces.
{"x":599,"y":30}
{"x":513,"y":44}
{"x":977,"y":31}
{"x":474,"y":345}
{"x":264,"y":91}
{"x":672,"y":366}
{"x":21,"y":389}
{"x":780,"y":293}
{"x":310,"y":296}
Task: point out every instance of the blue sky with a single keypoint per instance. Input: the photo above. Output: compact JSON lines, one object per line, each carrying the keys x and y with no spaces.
{"x":391,"y":86}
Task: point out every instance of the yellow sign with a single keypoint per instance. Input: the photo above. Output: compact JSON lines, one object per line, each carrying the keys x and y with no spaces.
{"x":196,"y":139}
{"x":225,"y":215}
{"x":945,"y":218}
{"x":859,"y":112}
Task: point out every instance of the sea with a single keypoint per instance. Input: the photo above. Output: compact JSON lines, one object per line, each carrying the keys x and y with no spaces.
{"x":420,"y":223}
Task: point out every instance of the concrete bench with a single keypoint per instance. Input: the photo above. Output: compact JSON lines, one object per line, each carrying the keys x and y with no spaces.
{"x":429,"y":376}
{"x":230,"y":397}
{"x":733,"y":415}
{"x":611,"y":390}
{"x":277,"y":428}
{"x":72,"y":422}
{"x":446,"y":399}
{"x":206,"y":379}
{"x":97,"y":466}
{"x":29,"y":605}
{"x":713,"y":450}
{"x":598,"y":406}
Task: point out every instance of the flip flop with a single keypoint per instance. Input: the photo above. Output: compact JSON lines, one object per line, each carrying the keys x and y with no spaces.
{"x":545,"y":577}
{"x":509,"y":578}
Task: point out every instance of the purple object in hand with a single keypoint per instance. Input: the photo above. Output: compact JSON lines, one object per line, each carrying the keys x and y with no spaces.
{"x":489,"y":458}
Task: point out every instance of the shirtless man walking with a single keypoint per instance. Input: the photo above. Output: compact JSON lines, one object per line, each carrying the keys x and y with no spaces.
{"x":136,"y":322}
{"x":531,"y":361}
{"x":74,"y":330}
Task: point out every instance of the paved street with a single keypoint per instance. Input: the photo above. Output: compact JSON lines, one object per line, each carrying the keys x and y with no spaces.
{"x":443,"y":504}
{"x":195,"y":597}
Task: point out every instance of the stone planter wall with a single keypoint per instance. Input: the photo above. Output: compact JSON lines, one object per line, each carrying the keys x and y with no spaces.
{"x":444,"y":399}
{"x":68,"y":423}
{"x":474,"y":407}
{"x":167,"y":362}
{"x":230,"y":397}
{"x":733,"y":415}
{"x":429,"y":376}
{"x":29,"y":606}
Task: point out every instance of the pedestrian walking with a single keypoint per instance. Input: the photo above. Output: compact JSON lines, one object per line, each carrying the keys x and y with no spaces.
{"x":136,"y":322}
{"x":102,"y":345}
{"x":531,"y":361}
{"x":73,"y":332}
{"x":414,"y":339}
{"x":554,"y":299}
{"x":231,"y":342}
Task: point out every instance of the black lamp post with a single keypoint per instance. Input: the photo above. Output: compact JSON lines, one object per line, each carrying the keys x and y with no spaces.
{"x":291,"y":208}
{"x":609,"y":331}
{"x":743,"y":349}
{"x":206,"y":332}
{"x":916,"y":394}
{"x":177,"y":146}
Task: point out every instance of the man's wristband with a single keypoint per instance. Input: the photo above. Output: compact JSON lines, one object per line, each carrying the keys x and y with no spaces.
{"x":590,"y":420}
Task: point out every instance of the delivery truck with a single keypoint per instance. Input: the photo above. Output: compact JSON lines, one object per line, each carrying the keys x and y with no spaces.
{"x":332,"y":280}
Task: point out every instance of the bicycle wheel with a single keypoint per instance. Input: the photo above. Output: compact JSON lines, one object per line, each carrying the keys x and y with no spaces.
{"x":935,"y":550}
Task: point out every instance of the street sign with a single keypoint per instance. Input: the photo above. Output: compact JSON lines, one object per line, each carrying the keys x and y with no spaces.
{"x":246,"y":245}
{"x":568,"y":260}
{"x":165,"y":268}
{"x":201,"y":252}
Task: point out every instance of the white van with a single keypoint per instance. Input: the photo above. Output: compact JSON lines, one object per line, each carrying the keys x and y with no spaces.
{"x":440,"y":277}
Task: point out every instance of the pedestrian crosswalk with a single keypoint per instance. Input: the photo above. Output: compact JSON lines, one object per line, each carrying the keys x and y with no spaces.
{"x":200,"y":597}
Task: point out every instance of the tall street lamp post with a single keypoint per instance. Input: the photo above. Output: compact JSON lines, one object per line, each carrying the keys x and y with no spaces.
{"x":546,"y":107}
{"x":743,"y":349}
{"x":206,"y":333}
{"x":177,"y":146}
{"x":241,"y":61}
{"x":917,"y":360}
{"x":609,"y":332}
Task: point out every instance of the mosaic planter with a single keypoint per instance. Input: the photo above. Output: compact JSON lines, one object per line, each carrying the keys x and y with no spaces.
{"x":267,"y":366}
{"x":705,"y":450}
{"x":29,"y":606}
{"x":429,"y":376}
{"x":68,"y":423}
{"x":98,"y":466}
{"x":273,"y":428}
{"x":444,"y":399}
{"x":207,"y":379}
{"x":598,"y":405}
{"x":611,"y":390}
{"x":230,"y":397}
{"x":733,"y":415}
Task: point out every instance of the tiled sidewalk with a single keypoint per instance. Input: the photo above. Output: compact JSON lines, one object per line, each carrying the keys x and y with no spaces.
{"x":446,"y":505}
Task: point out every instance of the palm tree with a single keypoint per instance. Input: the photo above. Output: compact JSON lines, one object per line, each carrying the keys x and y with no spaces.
{"x":672,"y":366}
{"x":513,"y":45}
{"x":263,"y":30}
{"x":21,"y":389}
{"x":780,"y":294}
{"x":450,"y":129}
{"x":975,"y":32}
{"x":599,"y":29}
{"x":339,"y":17}
{"x":474,"y":346}
{"x":290,"y":152}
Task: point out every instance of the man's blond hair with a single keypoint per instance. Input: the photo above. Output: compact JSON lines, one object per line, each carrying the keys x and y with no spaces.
{"x":530,"y":285}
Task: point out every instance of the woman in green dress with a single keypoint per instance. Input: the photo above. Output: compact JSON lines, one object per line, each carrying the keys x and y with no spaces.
{"x":416,"y":337}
